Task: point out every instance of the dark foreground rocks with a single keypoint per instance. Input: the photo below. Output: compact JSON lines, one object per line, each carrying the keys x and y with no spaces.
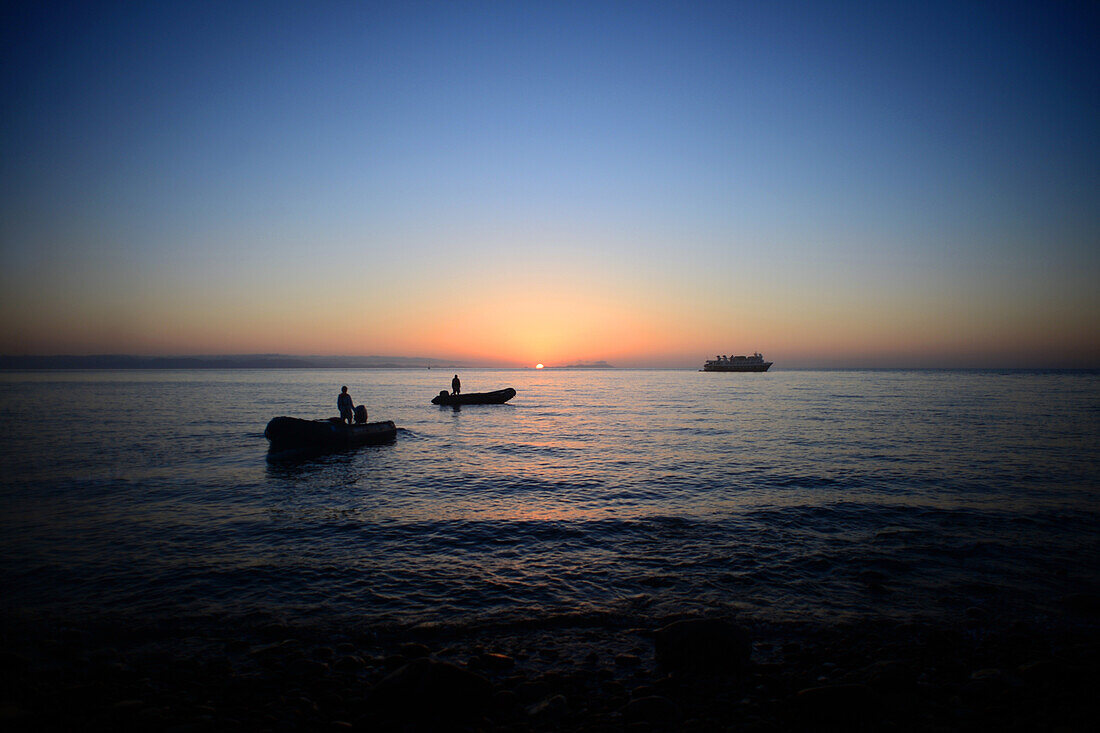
{"x":427,"y":691}
{"x":676,"y":675}
{"x":702,"y":646}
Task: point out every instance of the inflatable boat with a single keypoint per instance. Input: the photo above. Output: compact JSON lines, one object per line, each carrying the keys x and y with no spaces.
{"x":293,"y":432}
{"x":475,"y":398}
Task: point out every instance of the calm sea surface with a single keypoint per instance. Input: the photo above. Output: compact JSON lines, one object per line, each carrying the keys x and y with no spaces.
{"x":785,"y":495}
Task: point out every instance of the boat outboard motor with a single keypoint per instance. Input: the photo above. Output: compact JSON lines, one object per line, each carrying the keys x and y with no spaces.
{"x":360,"y":414}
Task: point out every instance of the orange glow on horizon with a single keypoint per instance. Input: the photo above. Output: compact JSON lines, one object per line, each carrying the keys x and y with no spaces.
{"x":565,"y":313}
{"x":538,"y":366}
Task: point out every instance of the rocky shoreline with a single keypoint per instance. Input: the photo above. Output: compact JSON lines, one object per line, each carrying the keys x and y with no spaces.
{"x":688,"y":674}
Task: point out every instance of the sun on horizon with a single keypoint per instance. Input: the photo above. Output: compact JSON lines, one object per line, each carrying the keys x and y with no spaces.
{"x":693,"y":182}
{"x":538,"y":366}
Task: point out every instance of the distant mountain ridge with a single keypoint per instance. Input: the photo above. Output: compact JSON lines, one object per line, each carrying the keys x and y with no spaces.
{"x":227,"y":361}
{"x":586,"y":365}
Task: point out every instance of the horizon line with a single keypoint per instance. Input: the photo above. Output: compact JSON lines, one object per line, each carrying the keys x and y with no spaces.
{"x":199,"y":362}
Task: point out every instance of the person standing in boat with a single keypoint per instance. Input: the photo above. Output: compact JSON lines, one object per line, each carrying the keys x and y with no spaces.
{"x":456,"y":386}
{"x":347,"y":409}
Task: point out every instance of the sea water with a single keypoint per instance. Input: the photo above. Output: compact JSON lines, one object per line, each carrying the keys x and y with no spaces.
{"x":593,"y":493}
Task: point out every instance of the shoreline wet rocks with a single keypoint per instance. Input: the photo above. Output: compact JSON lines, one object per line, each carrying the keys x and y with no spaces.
{"x":695,"y":674}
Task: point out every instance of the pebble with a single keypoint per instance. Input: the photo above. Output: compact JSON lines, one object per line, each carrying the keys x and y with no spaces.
{"x":497,"y":662}
{"x":551,"y":708}
{"x":349,"y":663}
{"x":532,"y":690}
{"x":287,"y":647}
{"x":1044,"y":671}
{"x":505,"y":701}
{"x":125,"y":705}
{"x":394,"y":661}
{"x":986,"y":683}
{"x":11,"y":712}
{"x":308,"y":668}
{"x":837,"y":703}
{"x":429,"y":688}
{"x":653,"y":710}
{"x":413,"y":650}
{"x":236,"y":646}
{"x":885,"y":676}
{"x":150,"y":718}
{"x":702,"y":646}
{"x":614,"y":688}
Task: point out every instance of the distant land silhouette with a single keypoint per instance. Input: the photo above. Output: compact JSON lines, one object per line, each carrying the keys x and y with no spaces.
{"x":228,"y":361}
{"x":585,"y":365}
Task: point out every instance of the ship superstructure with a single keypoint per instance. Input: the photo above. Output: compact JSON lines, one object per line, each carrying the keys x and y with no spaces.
{"x":722,"y":363}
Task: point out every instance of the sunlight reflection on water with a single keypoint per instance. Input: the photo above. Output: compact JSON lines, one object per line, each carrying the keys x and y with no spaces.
{"x":653,"y":490}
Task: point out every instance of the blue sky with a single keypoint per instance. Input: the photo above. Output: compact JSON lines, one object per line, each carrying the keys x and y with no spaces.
{"x":873,"y":182}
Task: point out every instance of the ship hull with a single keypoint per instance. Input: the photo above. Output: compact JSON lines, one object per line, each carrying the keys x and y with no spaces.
{"x":738,"y":368}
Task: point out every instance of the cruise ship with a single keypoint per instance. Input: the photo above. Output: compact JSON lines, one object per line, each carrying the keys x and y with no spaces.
{"x":754,"y":363}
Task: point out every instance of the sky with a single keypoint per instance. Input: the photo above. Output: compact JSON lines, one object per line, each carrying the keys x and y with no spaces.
{"x":650,"y":184}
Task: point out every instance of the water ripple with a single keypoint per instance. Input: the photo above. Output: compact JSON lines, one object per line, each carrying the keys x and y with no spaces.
{"x":822,"y":494}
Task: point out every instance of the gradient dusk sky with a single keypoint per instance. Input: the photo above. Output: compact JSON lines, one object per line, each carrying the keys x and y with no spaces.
{"x":850,"y":184}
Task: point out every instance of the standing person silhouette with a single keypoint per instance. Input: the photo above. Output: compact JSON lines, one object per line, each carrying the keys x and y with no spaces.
{"x":456,"y":386}
{"x":347,"y":410}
